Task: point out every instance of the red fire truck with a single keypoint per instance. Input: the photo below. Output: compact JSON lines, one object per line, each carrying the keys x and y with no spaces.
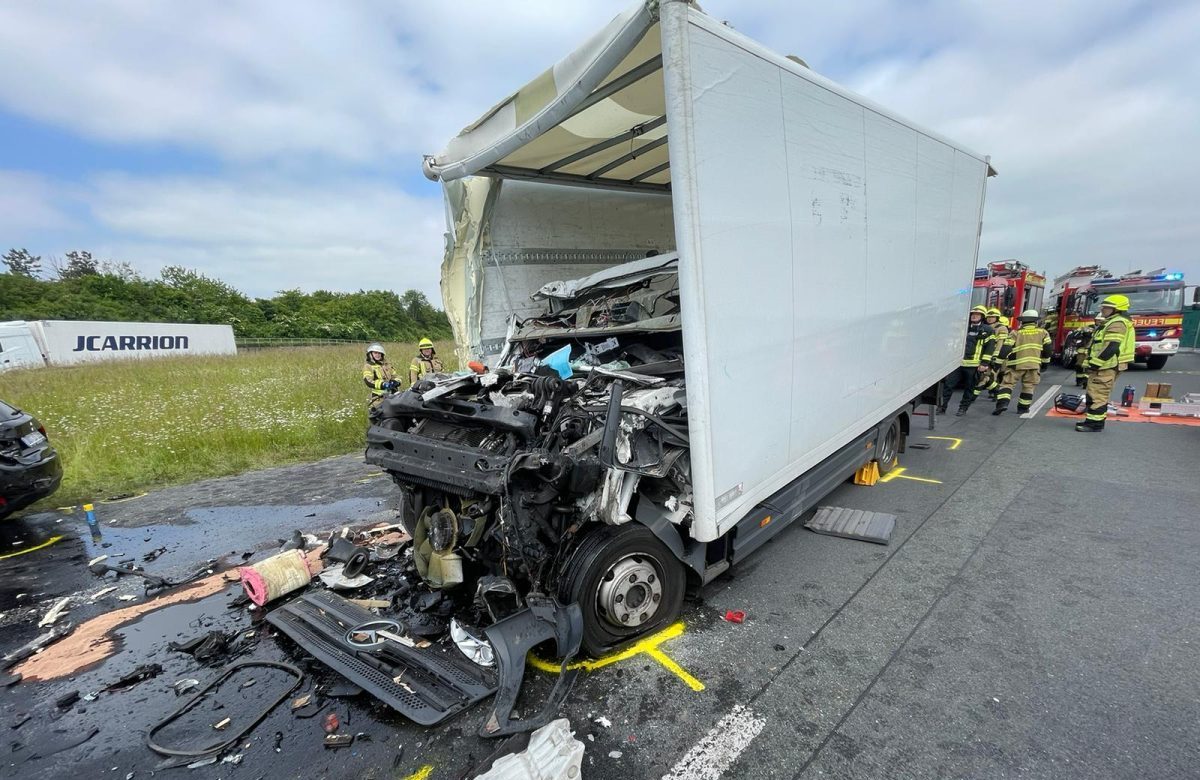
{"x":1155,"y":306}
{"x":1010,"y":286}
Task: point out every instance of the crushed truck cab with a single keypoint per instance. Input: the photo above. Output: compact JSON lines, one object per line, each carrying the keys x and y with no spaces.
{"x":707,"y":284}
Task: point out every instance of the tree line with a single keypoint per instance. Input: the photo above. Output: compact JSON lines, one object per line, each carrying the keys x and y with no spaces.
{"x":80,"y":287}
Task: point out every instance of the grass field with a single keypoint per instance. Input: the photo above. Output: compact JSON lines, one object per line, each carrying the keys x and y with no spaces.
{"x":127,"y":426}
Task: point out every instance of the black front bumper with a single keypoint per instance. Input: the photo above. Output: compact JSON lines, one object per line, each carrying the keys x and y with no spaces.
{"x":451,"y":467}
{"x":23,"y":484}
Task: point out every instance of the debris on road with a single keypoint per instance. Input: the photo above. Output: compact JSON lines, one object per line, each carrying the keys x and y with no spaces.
{"x":353,"y":558}
{"x":371,"y":603}
{"x":211,"y":647}
{"x":735,"y":616}
{"x":55,"y":612}
{"x":553,"y":754}
{"x":276,"y":576}
{"x":101,"y":594}
{"x":143,"y":672}
{"x":36,"y":645}
{"x":338,"y":740}
{"x":335,"y":577}
{"x":473,"y":647}
{"x":331,"y":723}
{"x":186,"y":684}
{"x":249,"y":721}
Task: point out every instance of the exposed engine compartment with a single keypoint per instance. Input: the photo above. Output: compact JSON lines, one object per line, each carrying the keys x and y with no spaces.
{"x":583,"y":417}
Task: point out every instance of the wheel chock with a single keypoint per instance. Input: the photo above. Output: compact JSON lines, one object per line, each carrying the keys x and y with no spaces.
{"x":867,"y":475}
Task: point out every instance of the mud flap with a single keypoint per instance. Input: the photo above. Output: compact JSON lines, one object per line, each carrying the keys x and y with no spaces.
{"x":512,"y":638}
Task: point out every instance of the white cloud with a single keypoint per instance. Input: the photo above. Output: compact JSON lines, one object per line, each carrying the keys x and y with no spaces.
{"x":28,"y":205}
{"x":366,"y":83}
{"x":268,"y":234}
{"x":1089,"y":110}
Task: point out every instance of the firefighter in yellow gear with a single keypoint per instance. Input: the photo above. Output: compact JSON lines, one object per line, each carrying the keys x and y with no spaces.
{"x":1026,"y":351}
{"x":977,"y":358}
{"x":1000,"y":371}
{"x":426,"y":362}
{"x":378,"y":375}
{"x":1110,"y":353}
{"x":1080,"y":341}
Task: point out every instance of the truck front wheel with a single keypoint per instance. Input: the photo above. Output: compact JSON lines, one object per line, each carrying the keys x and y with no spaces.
{"x":1156,"y":362}
{"x":627,"y":583}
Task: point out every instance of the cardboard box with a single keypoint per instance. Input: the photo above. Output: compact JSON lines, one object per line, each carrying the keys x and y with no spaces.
{"x":1158,"y":389}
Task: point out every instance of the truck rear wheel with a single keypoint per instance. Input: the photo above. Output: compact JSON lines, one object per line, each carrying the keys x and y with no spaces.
{"x":627,"y":583}
{"x":888,"y":455}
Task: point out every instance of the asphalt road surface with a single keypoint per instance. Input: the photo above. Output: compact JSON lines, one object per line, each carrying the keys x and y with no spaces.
{"x":1033,"y":616}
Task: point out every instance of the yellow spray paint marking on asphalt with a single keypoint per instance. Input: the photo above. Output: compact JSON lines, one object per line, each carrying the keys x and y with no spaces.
{"x":35,"y":548}
{"x":953,"y":446}
{"x":421,"y":774}
{"x":649,"y":646}
{"x":898,"y":473}
{"x":369,"y":477}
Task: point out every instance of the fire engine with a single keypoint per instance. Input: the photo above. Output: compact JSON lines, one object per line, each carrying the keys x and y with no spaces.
{"x":1155,"y":306}
{"x":1010,"y":286}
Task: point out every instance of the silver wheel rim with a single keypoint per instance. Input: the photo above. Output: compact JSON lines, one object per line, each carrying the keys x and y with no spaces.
{"x":630,"y":592}
{"x":887,"y":450}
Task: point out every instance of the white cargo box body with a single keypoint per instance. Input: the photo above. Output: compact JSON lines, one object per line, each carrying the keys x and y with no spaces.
{"x":68,"y":342}
{"x":826,"y":245}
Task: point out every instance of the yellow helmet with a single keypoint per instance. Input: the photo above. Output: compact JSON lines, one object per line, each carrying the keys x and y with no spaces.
{"x":1118,"y":302}
{"x":994,"y":312}
{"x":980,"y":310}
{"x":425,"y":344}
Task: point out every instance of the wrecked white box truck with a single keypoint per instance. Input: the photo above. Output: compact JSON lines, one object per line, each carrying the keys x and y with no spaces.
{"x":33,"y":344}
{"x":768,"y":273}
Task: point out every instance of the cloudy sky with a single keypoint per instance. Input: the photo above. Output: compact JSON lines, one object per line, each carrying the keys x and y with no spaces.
{"x":277,"y":144}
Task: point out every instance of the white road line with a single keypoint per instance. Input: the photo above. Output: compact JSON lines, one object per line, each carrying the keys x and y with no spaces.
{"x":1045,"y":399}
{"x":719,"y":748}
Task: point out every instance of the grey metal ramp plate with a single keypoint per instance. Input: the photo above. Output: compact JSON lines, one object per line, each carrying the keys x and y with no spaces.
{"x":874,"y":527}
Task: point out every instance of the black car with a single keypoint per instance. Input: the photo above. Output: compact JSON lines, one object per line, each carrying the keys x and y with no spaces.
{"x":29,"y":467}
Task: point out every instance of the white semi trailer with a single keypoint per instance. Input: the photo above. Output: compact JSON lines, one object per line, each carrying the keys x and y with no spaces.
{"x":776,"y":271}
{"x":33,"y":344}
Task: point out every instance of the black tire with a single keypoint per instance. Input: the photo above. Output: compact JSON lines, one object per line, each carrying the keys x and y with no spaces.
{"x":634,"y":549}
{"x":1155,"y":362}
{"x":889,"y":447}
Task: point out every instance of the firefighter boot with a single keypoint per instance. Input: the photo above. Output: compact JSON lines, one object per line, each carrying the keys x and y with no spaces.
{"x":962,"y":409}
{"x":1001,"y":406}
{"x":1090,"y":426}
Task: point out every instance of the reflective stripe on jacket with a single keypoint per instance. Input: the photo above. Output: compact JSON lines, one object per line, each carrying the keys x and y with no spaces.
{"x":1000,"y":338}
{"x":421,"y":366}
{"x":375,"y":374}
{"x":1028,"y":347}
{"x":980,"y":345}
{"x":1118,"y":330}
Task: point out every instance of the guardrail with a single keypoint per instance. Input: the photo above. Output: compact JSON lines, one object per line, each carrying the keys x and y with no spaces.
{"x":269,"y":343}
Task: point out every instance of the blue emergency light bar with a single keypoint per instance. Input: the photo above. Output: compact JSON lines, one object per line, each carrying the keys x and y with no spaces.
{"x":1175,"y":276}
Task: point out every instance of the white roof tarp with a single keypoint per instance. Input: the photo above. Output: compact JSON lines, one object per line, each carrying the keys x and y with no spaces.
{"x":597,"y":117}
